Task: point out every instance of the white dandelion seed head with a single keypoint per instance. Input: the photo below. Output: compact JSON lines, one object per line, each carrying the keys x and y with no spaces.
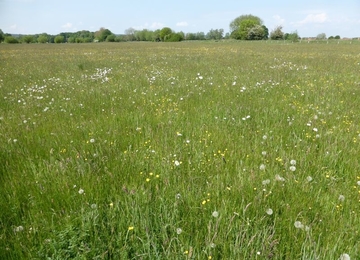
{"x":265,"y":182}
{"x":178,"y":231}
{"x":19,"y":229}
{"x":263,"y":153}
{"x":279,"y":178}
{"x":293,"y":162}
{"x":92,"y":140}
{"x":269,"y":211}
{"x":292,"y":168}
{"x":177,"y":163}
{"x":262,"y":167}
{"x":81,"y":191}
{"x":93,"y":206}
{"x":344,"y":257}
{"x":358,"y":183}
{"x":264,"y":137}
{"x":341,"y":198}
{"x":212,"y":245}
{"x":309,"y":178}
{"x":298,"y":224}
{"x":178,"y":196}
{"x":215,"y":214}
{"x":315,"y":129}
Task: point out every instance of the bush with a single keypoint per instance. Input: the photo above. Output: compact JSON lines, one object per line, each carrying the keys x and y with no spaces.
{"x":11,"y":39}
{"x":59,"y":39}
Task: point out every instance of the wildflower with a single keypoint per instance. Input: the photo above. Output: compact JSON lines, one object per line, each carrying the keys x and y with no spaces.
{"x":262,"y":167}
{"x":292,"y":168}
{"x":19,"y":229}
{"x":215,"y":214}
{"x":212,"y":245}
{"x":92,"y":140}
{"x":81,"y":191}
{"x":279,"y":178}
{"x":309,"y":178}
{"x":298,"y":224}
{"x":178,"y":134}
{"x":269,"y":211}
{"x":177,"y":163}
{"x":358,"y":183}
{"x":341,"y":198}
{"x":178,"y":196}
{"x":203,"y":202}
{"x":111,"y":204}
{"x":265,"y":182}
{"x":263,"y":153}
{"x":315,"y":129}
{"x":264,"y":137}
{"x":344,"y":257}
{"x":178,"y":231}
{"x":293,"y":162}
{"x":130,"y":228}
{"x":147,"y":179}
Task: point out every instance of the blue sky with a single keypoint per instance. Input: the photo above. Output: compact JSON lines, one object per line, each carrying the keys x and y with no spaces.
{"x":308,"y":17}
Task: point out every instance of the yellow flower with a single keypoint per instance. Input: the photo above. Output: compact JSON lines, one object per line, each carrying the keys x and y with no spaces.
{"x":130,"y":228}
{"x":111,"y":205}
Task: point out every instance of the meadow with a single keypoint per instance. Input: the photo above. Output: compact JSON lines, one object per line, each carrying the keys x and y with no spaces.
{"x":189,"y":150}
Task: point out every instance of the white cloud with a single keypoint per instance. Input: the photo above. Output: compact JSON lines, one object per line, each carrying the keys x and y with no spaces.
{"x":314,"y":18}
{"x":67,"y":26}
{"x":182,"y":24}
{"x":279,"y":20}
{"x":156,"y":25}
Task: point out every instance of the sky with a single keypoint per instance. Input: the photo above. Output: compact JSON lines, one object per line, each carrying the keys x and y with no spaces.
{"x":308,"y":17}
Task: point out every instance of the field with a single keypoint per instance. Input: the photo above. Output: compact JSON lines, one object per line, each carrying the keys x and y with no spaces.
{"x":190,"y":150}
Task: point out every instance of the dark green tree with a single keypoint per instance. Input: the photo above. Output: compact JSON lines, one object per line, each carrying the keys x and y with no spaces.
{"x":216,"y":34}
{"x":59,"y":39}
{"x":165,"y":33}
{"x":111,"y":38}
{"x":11,"y":39}
{"x":2,"y":36}
{"x":28,"y":39}
{"x":101,"y":34}
{"x":43,"y":38}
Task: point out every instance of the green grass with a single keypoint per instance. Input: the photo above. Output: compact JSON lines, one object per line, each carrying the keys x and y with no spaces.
{"x":179,"y":150}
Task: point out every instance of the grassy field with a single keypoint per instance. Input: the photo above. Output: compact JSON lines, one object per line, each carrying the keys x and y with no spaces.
{"x":191,"y":150}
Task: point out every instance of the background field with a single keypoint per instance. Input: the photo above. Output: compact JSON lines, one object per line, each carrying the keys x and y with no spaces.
{"x":190,"y":150}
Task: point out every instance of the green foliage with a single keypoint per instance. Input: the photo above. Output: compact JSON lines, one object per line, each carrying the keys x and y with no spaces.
{"x":111,"y":38}
{"x":294,"y":36}
{"x":174,"y":37}
{"x":216,"y":34}
{"x":198,"y":150}
{"x":277,"y":33}
{"x":11,"y":39}
{"x":102,"y":34}
{"x":248,"y":27}
{"x":165,"y":33}
{"x":235,"y":24}
{"x":28,"y":39}
{"x":2,"y":36}
{"x":59,"y":39}
{"x":43,"y":39}
{"x":337,"y":37}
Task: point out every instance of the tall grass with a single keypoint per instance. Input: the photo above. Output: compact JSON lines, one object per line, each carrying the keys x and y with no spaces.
{"x":220,"y":150}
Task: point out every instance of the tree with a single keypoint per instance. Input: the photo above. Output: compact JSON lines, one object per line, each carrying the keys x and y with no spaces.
{"x":111,"y":38}
{"x":321,"y":36}
{"x":59,"y":39}
{"x":216,"y":34}
{"x":11,"y":39}
{"x":28,"y":39}
{"x":241,"y":26}
{"x":165,"y":33}
{"x":294,"y":36}
{"x":277,"y":33}
{"x":43,"y":38}
{"x":337,"y":37}
{"x":235,"y":24}
{"x":130,"y":34}
{"x":256,"y":33}
{"x":2,"y":37}
{"x":101,"y":34}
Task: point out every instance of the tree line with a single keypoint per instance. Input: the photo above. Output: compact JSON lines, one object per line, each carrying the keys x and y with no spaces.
{"x":244,"y":27}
